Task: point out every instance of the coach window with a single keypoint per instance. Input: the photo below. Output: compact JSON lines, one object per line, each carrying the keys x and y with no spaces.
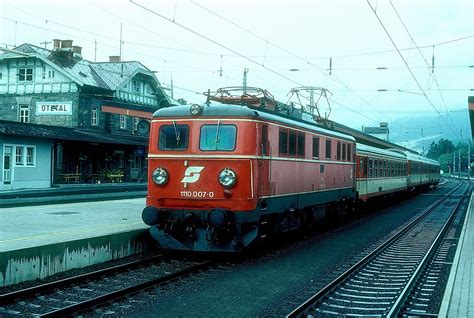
{"x":292,"y":143}
{"x":301,"y":144}
{"x":338,"y":151}
{"x":371,"y":167}
{"x":349,"y":148}
{"x":344,"y":152}
{"x":218,"y":137}
{"x":315,"y":147}
{"x":328,"y":149}
{"x":283,"y":142}
{"x":173,"y":137}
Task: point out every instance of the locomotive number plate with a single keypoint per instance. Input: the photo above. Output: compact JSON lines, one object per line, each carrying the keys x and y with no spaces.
{"x":197,"y":194}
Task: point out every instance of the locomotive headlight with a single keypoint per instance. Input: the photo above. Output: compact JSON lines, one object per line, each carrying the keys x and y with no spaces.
{"x":160,"y":176}
{"x":227,"y":178}
{"x":195,"y":109}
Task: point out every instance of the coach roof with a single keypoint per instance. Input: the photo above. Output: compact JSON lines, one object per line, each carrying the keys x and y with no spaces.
{"x":225,"y":110}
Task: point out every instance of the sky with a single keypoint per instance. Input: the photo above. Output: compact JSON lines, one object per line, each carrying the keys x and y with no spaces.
{"x":207,"y":44}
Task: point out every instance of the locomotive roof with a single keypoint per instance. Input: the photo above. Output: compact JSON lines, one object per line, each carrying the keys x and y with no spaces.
{"x":225,"y":110}
{"x":361,"y":148}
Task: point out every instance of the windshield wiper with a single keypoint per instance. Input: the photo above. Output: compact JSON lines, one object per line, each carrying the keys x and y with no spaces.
{"x":217,"y":132}
{"x":176,"y":133}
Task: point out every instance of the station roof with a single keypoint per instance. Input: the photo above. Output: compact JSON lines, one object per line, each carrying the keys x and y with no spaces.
{"x":110,"y":76}
{"x":63,"y":133}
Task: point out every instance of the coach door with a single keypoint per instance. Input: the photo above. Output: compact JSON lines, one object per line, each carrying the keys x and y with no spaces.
{"x":7,"y":164}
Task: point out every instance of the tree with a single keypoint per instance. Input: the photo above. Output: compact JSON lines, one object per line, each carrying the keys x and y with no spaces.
{"x":443,"y":146}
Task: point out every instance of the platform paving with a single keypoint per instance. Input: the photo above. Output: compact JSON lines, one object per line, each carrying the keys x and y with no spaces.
{"x":458,"y":300}
{"x":39,"y":241}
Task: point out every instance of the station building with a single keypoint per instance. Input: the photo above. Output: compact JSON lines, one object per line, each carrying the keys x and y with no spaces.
{"x":65,"y":119}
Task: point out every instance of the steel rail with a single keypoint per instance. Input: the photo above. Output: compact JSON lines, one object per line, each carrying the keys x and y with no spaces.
{"x":97,"y":301}
{"x":400,"y":301}
{"x":28,"y":292}
{"x":320,"y":294}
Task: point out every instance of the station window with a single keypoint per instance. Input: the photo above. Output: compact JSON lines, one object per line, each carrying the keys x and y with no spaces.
{"x":136,"y":86}
{"x":283,"y":142}
{"x":123,"y":121}
{"x":376,"y":168}
{"x":344,"y":152}
{"x":301,"y":144}
{"x":292,"y":144}
{"x":94,"y":117}
{"x":173,"y":137}
{"x":25,"y":74}
{"x":316,"y":147}
{"x":30,"y":156}
{"x":218,"y":137}
{"x":24,"y":114}
{"x":328,"y":149}
{"x":19,"y":153}
{"x":338,"y":151}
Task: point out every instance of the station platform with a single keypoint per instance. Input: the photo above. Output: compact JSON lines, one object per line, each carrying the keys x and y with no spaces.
{"x":40,"y":241}
{"x":458,"y":300}
{"x":71,"y":193}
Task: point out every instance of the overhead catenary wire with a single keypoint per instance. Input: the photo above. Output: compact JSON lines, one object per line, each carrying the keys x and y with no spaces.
{"x":432,"y":74}
{"x":408,"y":66}
{"x":235,"y":52}
{"x":215,"y":42}
{"x":316,"y":67}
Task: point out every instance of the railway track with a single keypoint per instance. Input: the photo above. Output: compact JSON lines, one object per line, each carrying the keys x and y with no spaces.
{"x":396,"y":278}
{"x":81,"y":293}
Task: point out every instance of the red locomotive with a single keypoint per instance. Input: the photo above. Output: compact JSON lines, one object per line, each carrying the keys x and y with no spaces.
{"x":222,"y":175}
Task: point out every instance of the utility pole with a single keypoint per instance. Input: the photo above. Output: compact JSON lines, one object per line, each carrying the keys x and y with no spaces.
{"x":120,"y":42}
{"x":469,"y":160}
{"x":459,"y":162}
{"x":454,"y":163}
{"x":45,"y":43}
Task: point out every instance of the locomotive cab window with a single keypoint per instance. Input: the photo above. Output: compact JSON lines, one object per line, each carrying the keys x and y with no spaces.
{"x":218,"y":137}
{"x":173,"y":137}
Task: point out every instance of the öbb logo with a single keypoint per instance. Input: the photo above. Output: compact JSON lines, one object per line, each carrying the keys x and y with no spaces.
{"x":192,"y":174}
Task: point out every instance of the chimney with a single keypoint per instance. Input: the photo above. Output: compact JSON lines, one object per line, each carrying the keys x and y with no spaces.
{"x":114,"y":58}
{"x":383,"y":125}
{"x":76,"y":49}
{"x":66,"y":44}
{"x":56,"y":44}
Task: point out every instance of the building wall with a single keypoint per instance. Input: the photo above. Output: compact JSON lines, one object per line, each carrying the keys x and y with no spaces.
{"x":45,"y":79}
{"x":26,"y":176}
{"x":10,"y":109}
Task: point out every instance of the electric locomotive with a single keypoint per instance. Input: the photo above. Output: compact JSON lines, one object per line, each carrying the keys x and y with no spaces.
{"x":222,"y":176}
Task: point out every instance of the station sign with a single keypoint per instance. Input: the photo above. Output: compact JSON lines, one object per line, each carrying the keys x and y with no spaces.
{"x":54,"y":108}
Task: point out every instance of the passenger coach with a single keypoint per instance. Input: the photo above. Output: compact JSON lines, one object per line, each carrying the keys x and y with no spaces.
{"x":379,"y":172}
